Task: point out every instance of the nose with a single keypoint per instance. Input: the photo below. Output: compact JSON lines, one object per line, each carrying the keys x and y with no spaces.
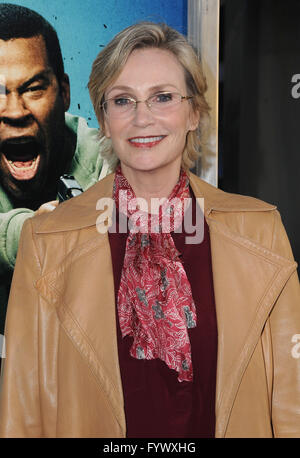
{"x":142,"y":114}
{"x":12,"y":107}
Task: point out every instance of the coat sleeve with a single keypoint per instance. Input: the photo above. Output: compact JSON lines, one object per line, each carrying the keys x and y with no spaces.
{"x":285,"y":338}
{"x":11,"y":224}
{"x":19,"y":389}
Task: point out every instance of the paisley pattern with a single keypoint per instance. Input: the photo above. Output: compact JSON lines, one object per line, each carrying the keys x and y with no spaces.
{"x":155,"y":304}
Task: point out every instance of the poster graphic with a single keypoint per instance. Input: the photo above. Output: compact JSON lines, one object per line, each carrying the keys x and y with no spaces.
{"x":84,"y":27}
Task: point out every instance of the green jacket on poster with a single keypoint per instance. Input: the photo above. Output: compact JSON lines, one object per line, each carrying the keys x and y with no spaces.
{"x":85,"y":166}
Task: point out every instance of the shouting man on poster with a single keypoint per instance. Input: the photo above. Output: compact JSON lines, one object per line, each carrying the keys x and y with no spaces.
{"x":39,"y":141}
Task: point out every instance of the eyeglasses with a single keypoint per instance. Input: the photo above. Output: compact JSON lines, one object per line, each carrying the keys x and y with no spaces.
{"x":163,"y":102}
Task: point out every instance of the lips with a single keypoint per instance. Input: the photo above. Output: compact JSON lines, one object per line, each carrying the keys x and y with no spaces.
{"x":22,"y":157}
{"x":146,"y":142}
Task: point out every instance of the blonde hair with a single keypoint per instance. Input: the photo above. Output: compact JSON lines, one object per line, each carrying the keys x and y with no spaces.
{"x":111,"y":60}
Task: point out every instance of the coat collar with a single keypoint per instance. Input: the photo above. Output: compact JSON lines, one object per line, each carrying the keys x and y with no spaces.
{"x":244,"y":296}
{"x":83,"y":213}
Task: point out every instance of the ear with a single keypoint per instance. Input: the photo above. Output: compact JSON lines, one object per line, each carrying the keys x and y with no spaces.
{"x":194,"y":119}
{"x":65,"y":91}
{"x":106,"y":129}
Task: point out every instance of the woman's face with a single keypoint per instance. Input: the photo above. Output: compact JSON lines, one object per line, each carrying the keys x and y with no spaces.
{"x":143,"y":140}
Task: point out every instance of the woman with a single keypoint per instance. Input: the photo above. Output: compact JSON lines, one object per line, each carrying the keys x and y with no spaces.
{"x":142,"y":332}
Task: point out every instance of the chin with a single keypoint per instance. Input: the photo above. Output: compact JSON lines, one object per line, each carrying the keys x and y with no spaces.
{"x":152,"y":166}
{"x":146,"y":167}
{"x":23,"y":190}
{"x":147,"y":162}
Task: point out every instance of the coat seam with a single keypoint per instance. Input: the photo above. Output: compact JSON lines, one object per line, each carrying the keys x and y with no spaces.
{"x":100,"y":384}
{"x":254,"y":327}
{"x":254,"y":248}
{"x":38,"y":330}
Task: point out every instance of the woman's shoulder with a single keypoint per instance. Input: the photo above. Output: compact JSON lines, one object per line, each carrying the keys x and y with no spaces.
{"x":220,"y":200}
{"x":76,"y":213}
{"x":242,"y":217}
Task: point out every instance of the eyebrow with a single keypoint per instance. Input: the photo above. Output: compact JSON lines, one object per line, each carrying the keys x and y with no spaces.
{"x":158,"y":87}
{"x":43,"y":75}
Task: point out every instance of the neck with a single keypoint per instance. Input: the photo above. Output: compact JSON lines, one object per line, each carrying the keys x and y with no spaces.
{"x":153,"y":183}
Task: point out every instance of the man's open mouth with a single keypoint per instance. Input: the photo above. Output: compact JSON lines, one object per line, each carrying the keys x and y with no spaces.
{"x":22,"y":157}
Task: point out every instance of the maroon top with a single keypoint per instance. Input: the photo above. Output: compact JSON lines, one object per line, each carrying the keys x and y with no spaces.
{"x":156,"y":404}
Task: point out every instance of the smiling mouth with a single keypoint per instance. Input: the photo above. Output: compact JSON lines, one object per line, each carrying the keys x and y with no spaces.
{"x":146,"y":142}
{"x":22,"y":157}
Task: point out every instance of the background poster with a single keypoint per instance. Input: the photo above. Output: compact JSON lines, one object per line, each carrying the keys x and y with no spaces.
{"x":85,"y":26}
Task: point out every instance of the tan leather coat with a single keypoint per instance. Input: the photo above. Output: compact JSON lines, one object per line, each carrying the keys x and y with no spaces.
{"x":61,"y":376}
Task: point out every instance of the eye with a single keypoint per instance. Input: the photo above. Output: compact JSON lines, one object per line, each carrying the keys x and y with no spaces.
{"x":34,"y":91}
{"x":35,"y":88}
{"x":38,"y":88}
{"x":163,"y":97}
{"x":122,"y":101}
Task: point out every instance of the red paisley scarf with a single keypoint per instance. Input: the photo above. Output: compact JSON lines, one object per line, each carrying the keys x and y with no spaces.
{"x":155,"y":304}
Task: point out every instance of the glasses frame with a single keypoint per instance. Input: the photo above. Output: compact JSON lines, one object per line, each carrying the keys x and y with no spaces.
{"x":146,"y":101}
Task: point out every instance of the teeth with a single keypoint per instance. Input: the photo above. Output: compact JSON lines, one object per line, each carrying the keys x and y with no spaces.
{"x":146,"y":140}
{"x":33,"y":160}
{"x":24,"y":168}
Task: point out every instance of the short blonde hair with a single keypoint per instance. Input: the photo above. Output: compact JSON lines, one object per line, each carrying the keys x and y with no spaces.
{"x":111,"y":60}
